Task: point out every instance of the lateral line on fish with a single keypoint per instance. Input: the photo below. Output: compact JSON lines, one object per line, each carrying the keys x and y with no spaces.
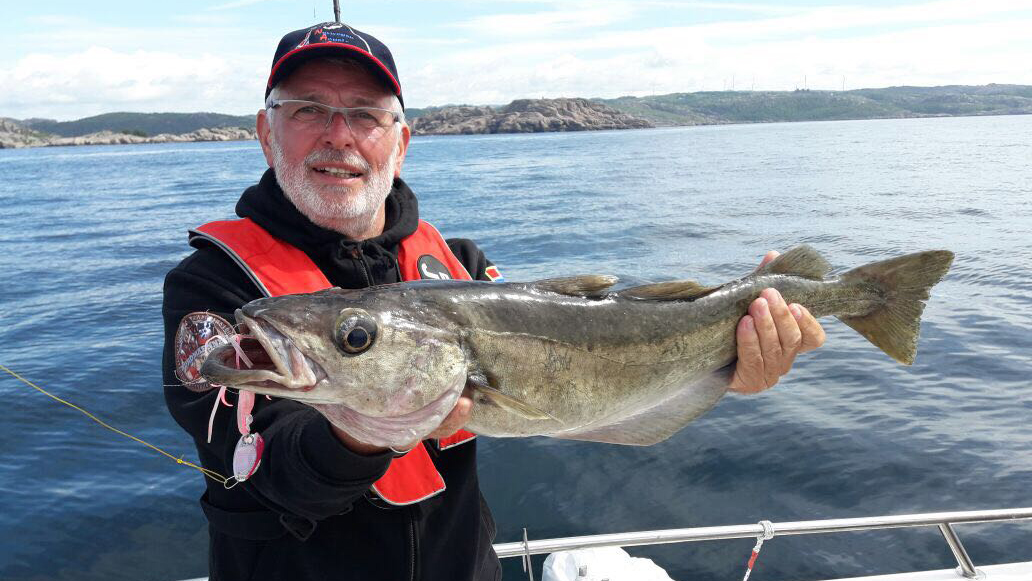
{"x":581,"y":349}
{"x":810,"y":303}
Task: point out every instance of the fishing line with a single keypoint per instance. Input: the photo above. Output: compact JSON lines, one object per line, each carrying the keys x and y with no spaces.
{"x":227,"y":482}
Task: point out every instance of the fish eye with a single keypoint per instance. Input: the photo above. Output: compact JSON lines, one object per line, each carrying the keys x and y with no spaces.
{"x":356,"y":331}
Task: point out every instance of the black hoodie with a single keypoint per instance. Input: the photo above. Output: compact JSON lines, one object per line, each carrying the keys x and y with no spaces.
{"x":307,"y":512}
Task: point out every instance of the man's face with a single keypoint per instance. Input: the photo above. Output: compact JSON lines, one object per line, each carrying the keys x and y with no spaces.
{"x":335,"y":176}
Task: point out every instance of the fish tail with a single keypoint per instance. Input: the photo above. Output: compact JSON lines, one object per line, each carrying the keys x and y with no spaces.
{"x":904,"y":284}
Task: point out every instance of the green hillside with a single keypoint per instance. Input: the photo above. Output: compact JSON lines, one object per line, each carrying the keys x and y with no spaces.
{"x":806,"y":105}
{"x":140,"y":123}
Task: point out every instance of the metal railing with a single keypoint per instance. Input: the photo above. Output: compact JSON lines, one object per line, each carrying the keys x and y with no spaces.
{"x":943,"y":520}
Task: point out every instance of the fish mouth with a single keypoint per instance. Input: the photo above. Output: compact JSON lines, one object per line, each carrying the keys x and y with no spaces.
{"x":279,"y":369}
{"x":268,"y":362}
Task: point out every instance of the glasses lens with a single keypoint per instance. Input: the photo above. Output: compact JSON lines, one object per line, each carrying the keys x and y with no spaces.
{"x":369,"y":119}
{"x":307,"y":112}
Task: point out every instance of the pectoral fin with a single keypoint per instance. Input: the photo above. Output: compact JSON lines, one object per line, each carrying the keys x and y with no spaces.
{"x":481,"y":387}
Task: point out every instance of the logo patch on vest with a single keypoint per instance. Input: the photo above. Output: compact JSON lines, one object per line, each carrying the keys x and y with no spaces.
{"x":198,"y":334}
{"x":432,"y":269}
{"x":494,"y":274}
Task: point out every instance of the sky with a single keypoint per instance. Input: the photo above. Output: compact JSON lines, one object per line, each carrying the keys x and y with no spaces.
{"x":65,"y":59}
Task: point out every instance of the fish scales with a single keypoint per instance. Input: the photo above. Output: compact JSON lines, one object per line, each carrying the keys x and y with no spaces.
{"x":607,"y":361}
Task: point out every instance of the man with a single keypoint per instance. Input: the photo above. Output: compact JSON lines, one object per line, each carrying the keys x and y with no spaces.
{"x":311,"y":501}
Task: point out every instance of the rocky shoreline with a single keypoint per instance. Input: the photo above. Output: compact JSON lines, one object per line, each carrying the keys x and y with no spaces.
{"x":13,"y":135}
{"x":525,"y":116}
{"x":520,"y":116}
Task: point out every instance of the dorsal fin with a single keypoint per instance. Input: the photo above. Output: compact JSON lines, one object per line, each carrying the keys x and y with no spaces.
{"x":674,"y":290}
{"x":801,"y":261}
{"x":585,"y":285}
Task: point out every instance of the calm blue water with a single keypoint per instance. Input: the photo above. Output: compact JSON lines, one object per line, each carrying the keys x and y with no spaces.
{"x":86,"y":235}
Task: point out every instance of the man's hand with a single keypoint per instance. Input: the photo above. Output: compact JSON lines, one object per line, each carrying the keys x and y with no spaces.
{"x":452,"y":423}
{"x":770,"y":337}
{"x":457,"y":418}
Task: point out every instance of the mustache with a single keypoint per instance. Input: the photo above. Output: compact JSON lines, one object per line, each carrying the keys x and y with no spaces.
{"x":338,"y":156}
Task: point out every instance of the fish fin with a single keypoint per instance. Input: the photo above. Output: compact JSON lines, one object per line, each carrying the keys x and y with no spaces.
{"x":661,"y":420}
{"x":675,"y":290}
{"x":801,"y":261}
{"x":586,"y":285}
{"x":905,"y":282}
{"x":481,"y":387}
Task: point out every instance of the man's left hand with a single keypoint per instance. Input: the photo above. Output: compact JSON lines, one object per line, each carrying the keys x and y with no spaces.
{"x":457,"y":418}
{"x":770,"y":337}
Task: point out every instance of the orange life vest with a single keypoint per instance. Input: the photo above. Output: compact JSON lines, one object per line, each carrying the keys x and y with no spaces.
{"x":278,"y":268}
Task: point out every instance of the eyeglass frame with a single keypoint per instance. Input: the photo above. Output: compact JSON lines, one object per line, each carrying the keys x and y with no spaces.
{"x":271,"y":103}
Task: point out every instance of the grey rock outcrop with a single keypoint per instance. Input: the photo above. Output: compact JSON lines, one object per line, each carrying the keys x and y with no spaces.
{"x":526,"y":116}
{"x":111,"y":138}
{"x":14,"y":135}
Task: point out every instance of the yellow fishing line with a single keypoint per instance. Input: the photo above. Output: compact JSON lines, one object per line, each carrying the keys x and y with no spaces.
{"x":209,"y":473}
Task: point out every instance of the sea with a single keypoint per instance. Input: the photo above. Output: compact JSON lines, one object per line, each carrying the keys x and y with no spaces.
{"x":88,"y":233}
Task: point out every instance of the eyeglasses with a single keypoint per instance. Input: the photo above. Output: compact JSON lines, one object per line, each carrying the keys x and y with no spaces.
{"x":366,"y":122}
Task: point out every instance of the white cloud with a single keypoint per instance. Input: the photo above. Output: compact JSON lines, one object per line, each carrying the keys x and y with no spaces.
{"x":966,"y":45}
{"x":731,"y":6}
{"x":545,"y":23}
{"x":234,"y":4}
{"x":98,"y":80}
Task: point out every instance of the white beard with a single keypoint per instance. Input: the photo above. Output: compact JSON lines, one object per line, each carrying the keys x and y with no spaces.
{"x":349,"y":211}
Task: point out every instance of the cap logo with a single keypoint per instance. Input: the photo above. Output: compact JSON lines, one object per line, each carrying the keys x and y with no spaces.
{"x":323,"y":34}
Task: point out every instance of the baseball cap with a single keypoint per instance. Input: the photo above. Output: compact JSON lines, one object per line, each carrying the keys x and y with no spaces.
{"x":333,"y":39}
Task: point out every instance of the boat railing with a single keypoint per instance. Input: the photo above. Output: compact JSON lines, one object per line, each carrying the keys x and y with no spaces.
{"x":766,"y":529}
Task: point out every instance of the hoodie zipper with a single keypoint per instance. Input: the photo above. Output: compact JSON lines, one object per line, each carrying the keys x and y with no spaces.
{"x":412,"y":546}
{"x":356,"y":253}
{"x":411,"y":516}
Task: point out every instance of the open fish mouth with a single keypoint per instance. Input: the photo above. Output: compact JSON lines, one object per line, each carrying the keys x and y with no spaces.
{"x":267,"y":362}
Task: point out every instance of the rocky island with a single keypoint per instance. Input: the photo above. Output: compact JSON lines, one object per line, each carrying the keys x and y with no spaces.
{"x":525,"y":116}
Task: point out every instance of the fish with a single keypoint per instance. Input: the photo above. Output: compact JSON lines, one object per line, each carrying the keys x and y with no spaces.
{"x":569,"y":357}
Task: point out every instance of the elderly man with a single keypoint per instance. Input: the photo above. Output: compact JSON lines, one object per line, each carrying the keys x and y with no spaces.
{"x":311,"y":501}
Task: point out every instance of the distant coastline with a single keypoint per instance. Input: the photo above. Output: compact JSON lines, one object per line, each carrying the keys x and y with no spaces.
{"x":564,"y":114}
